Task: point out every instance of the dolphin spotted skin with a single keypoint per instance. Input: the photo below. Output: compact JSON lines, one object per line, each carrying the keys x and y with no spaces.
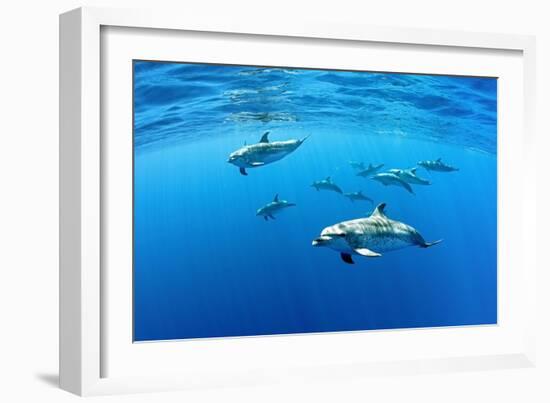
{"x":359,"y":166}
{"x":388,"y":179}
{"x":410,"y":176}
{"x":262,"y":153}
{"x":359,"y":196}
{"x":273,"y":207}
{"x":437,"y":166}
{"x":326,"y":184}
{"x":370,"y":170}
{"x":370,"y":237}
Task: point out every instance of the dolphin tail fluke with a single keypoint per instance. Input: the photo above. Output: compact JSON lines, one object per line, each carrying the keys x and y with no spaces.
{"x":428,"y":244}
{"x":346,"y":257}
{"x":243,"y":171}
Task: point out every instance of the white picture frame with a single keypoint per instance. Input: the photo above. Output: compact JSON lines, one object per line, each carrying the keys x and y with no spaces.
{"x":83,"y":156}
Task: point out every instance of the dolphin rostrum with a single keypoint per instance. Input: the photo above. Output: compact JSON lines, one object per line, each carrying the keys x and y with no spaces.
{"x":262,"y":153}
{"x":353,"y":196}
{"x":273,"y":207}
{"x":410,"y":176}
{"x":326,"y":184}
{"x":436,"y":165}
{"x":370,"y":170}
{"x":370,"y":236}
{"x":387,"y":178}
{"x":360,"y":166}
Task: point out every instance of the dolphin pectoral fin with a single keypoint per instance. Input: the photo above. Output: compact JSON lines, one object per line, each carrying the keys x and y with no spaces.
{"x":346,"y":257}
{"x":265,"y":218}
{"x":243,"y":171}
{"x":367,"y":252}
{"x":428,"y":244}
{"x":271,"y":216}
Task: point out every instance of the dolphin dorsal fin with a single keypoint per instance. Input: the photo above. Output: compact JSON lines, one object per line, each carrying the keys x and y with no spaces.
{"x":370,"y":165}
{"x":245,"y":143}
{"x":438,"y":160}
{"x":379,"y":210}
{"x":276,"y":198}
{"x":328,"y":179}
{"x":264,"y":138}
{"x":413,"y":170}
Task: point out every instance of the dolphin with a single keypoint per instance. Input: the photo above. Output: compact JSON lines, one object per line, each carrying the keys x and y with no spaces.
{"x":326,"y":184}
{"x":409,"y":176}
{"x":370,"y":170}
{"x":436,"y":165}
{"x":262,"y":153}
{"x":387,"y":178}
{"x":273,"y":207}
{"x":360,"y":166}
{"x":358,"y":196}
{"x":370,"y":236}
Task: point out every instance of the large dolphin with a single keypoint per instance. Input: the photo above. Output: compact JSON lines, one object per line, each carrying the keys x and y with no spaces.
{"x":360,"y":166}
{"x":273,"y":207}
{"x":387,"y":178}
{"x":262,"y":153}
{"x":370,"y":170}
{"x":326,"y":184}
{"x":410,"y":176}
{"x":370,"y":236}
{"x":359,"y":196}
{"x":436,"y":165}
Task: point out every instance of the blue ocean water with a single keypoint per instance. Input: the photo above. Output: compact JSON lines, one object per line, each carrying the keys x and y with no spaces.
{"x":206,"y":266}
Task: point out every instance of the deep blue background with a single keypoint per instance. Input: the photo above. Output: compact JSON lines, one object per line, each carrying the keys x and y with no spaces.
{"x":206,"y":266}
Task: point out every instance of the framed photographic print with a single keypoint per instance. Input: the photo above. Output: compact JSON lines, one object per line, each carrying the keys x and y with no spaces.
{"x":242,"y":203}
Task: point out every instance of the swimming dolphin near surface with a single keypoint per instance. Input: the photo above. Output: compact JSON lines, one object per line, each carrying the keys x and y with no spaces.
{"x":387,"y":178}
{"x":262,"y":153}
{"x":436,"y":165}
{"x":326,"y":184}
{"x":273,"y":207}
{"x":370,"y":236}
{"x":409,"y":176}
{"x":370,"y":170}
{"x":358,"y":196}
{"x":360,"y":166}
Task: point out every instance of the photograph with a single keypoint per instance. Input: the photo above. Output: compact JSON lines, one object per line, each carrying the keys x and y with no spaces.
{"x":275,"y":200}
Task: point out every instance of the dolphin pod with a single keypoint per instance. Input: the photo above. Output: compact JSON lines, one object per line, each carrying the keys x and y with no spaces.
{"x":273,"y":207}
{"x":262,"y":153}
{"x":370,"y":236}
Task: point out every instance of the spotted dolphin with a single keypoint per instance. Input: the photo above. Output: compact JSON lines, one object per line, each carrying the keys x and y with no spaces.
{"x":262,"y":153}
{"x":359,"y":166}
{"x":273,"y":207}
{"x":410,"y":176}
{"x":326,"y":184}
{"x":370,"y":237}
{"x":358,"y":196}
{"x":370,"y":170}
{"x":388,"y":179}
{"x":437,"y":166}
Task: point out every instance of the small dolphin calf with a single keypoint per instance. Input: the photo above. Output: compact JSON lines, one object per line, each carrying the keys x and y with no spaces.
{"x":437,"y":166}
{"x":353,"y":196}
{"x":387,"y":179}
{"x":359,"y":166}
{"x":262,"y":153}
{"x":370,"y":170}
{"x":409,"y":176}
{"x":370,"y":236}
{"x":273,"y":207}
{"x":326,"y":184}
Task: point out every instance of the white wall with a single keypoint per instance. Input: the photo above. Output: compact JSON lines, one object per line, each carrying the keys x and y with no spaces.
{"x":28,"y":201}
